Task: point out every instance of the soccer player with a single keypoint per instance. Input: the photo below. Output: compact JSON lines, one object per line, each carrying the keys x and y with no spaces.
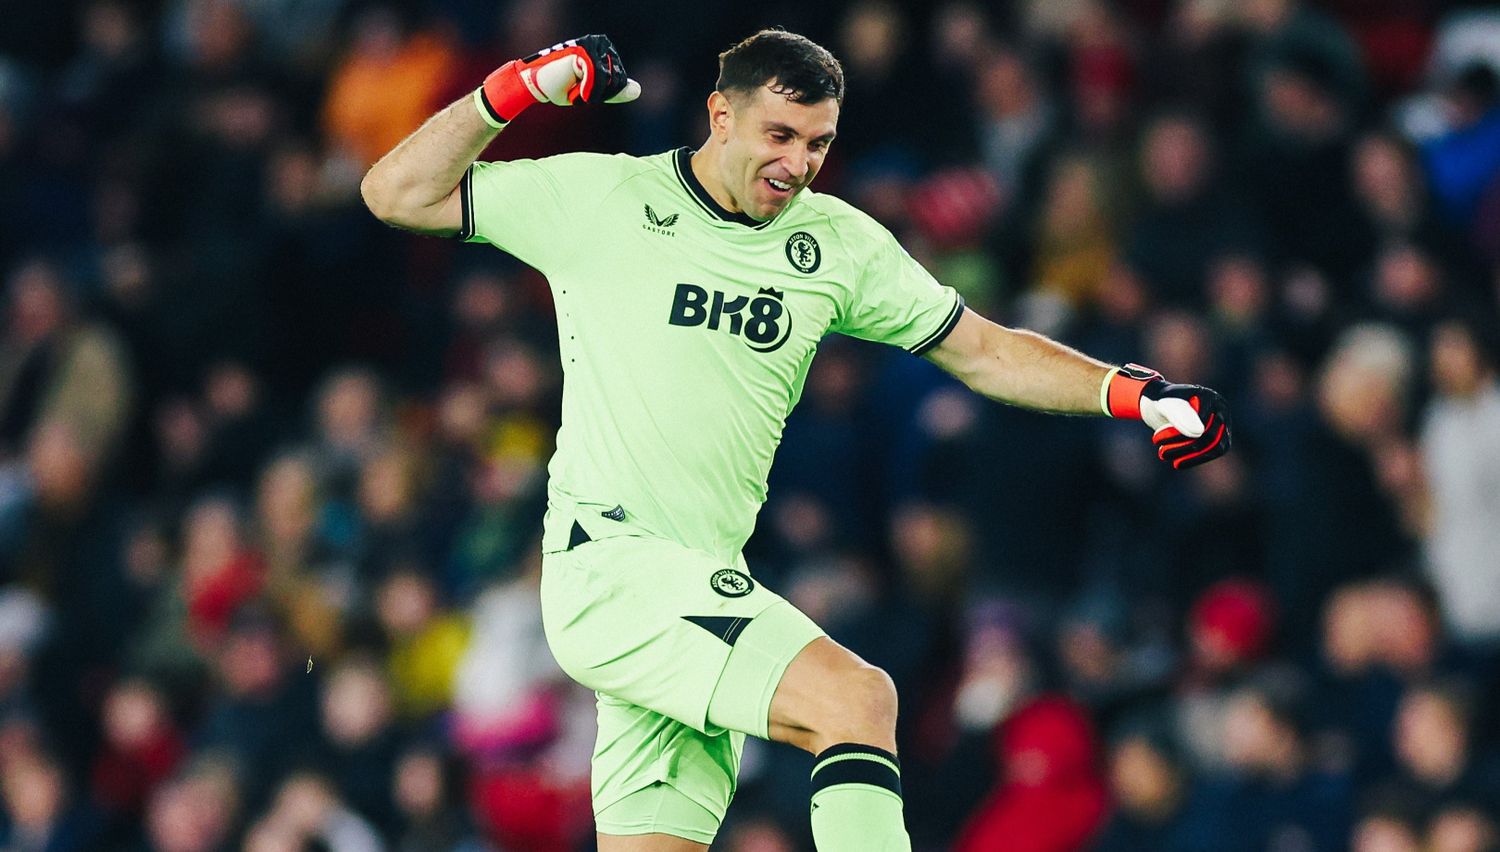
{"x":691,"y":290}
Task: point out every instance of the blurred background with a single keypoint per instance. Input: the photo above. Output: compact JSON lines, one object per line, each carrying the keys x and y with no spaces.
{"x":271,"y":474}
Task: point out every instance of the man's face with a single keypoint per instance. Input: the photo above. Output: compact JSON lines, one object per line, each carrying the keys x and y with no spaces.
{"x":773,"y":147}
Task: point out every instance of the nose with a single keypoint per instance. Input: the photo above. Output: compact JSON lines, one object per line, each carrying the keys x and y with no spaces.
{"x":797,"y":162}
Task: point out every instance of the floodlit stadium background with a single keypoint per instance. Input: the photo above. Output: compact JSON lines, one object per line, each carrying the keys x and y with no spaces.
{"x":242,"y":425}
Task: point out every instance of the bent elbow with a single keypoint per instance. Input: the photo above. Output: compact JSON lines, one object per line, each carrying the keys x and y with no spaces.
{"x":400,"y":204}
{"x":376,"y":197}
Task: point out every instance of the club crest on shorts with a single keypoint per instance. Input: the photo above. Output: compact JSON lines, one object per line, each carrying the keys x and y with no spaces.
{"x":731,"y":583}
{"x":803,"y":252}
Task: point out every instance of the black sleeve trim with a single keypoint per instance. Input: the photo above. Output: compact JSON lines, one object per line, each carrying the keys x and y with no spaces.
{"x":466,"y":202}
{"x":936,"y":337}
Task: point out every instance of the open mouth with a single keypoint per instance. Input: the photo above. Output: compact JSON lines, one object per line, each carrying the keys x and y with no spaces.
{"x":778,"y":188}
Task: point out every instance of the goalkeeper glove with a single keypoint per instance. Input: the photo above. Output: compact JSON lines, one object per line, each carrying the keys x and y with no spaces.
{"x":579,"y":70}
{"x":1189,"y":423}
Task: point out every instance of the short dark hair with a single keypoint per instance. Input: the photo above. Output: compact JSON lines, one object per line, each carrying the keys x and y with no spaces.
{"x":792,"y":65}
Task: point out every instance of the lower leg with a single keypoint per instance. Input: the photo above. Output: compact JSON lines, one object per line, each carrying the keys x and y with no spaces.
{"x":835,"y":705}
{"x":856,"y":801}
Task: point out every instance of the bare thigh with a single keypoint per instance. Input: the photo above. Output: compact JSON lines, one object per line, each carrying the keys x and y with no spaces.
{"x":647,"y":843}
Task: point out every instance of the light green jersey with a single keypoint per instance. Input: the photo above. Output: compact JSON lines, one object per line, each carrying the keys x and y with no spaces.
{"x":686,"y":330}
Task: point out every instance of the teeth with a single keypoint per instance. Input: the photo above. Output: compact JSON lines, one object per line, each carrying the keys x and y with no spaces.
{"x":779,"y":185}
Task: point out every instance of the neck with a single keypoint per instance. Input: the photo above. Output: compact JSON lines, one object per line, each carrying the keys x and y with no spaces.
{"x":706,"y":169}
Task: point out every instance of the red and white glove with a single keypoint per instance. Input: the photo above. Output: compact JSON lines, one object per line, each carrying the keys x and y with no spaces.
{"x":1189,"y":423}
{"x":579,"y":70}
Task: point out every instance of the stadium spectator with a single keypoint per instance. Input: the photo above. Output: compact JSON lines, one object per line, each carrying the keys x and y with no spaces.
{"x":1052,"y":797}
{"x":1187,"y":219}
{"x":385,"y":86}
{"x":262,"y":718}
{"x":872,"y":46}
{"x":1150,"y":785}
{"x":42,"y":811}
{"x":360,"y":741}
{"x":505,"y":693}
{"x":1440,"y":765}
{"x":1075,"y":245}
{"x":1463,"y":827}
{"x":1016,"y":120}
{"x":307,"y":811}
{"x":25,"y":618}
{"x":1462,"y":461}
{"x":758,"y":836}
{"x":59,"y":368}
{"x":1242,"y":314}
{"x":303,"y":577}
{"x":425,"y":640}
{"x":1462,"y":163}
{"x":198,"y":810}
{"x":241,"y":428}
{"x":1362,"y":406}
{"x":427,"y":790}
{"x":1273,"y":791}
{"x":1297,"y":167}
{"x":286,"y":504}
{"x":142,"y":749}
{"x":1283,"y":27}
{"x":1102,"y":77}
{"x":1387,"y":825}
{"x":352,"y":425}
{"x":1397,"y":209}
{"x":1229,"y":630}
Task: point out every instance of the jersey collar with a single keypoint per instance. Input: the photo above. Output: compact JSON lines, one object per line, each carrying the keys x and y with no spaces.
{"x":683,"y":164}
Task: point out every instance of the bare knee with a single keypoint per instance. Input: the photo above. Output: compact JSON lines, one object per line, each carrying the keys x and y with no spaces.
{"x":863,"y":710}
{"x":872,"y":698}
{"x":828,"y":696}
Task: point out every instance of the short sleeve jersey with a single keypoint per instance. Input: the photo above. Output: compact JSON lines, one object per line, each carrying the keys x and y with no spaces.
{"x":686,"y":330}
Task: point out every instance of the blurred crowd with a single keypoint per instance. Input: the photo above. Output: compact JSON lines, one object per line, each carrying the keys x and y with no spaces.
{"x":271,"y":474}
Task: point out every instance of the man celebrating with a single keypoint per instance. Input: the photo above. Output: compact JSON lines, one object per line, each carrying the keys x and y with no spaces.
{"x":691,"y":290}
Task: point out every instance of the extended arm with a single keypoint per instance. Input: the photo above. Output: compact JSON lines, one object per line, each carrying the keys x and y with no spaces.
{"x":1190,"y":423}
{"x":1020,"y":367}
{"x":416,"y":185}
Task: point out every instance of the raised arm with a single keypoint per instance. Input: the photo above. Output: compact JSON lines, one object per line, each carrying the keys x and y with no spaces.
{"x":416,"y":185}
{"x":1190,"y":423}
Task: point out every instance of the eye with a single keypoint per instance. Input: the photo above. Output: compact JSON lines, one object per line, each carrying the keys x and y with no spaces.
{"x":780,"y":137}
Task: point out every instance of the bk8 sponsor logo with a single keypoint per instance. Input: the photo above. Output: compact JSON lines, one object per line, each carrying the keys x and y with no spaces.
{"x":762,"y":320}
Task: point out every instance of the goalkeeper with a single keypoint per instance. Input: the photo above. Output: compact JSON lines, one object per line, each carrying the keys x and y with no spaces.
{"x":691,"y":290}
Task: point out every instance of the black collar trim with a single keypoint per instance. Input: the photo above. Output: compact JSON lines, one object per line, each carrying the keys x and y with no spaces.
{"x":683,"y":162}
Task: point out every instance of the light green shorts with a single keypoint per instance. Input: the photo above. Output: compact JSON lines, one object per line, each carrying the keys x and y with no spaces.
{"x":685,"y":653}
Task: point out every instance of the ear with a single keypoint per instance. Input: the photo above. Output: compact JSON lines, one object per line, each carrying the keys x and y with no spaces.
{"x":720,"y":116}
